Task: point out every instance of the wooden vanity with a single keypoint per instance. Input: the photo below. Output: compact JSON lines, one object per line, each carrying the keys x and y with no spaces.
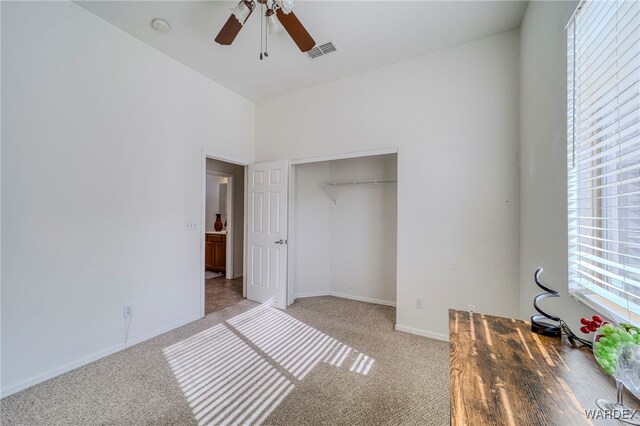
{"x":503,"y":374}
{"x":215,"y":252}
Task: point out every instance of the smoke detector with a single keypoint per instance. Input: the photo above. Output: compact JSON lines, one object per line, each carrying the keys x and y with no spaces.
{"x":323,"y":49}
{"x":160,"y":25}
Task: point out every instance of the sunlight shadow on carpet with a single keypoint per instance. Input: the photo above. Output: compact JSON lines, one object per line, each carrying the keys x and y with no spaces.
{"x":227,"y":381}
{"x":296,"y":346}
{"x":224,"y":380}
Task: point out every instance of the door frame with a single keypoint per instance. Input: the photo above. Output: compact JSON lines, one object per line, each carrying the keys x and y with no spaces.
{"x":229,"y":272}
{"x":292,"y":200}
{"x":203,"y":198}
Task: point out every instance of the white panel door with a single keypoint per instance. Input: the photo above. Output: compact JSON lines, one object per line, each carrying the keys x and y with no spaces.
{"x":267,"y":233}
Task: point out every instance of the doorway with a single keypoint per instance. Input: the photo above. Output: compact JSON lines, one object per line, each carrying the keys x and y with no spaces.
{"x":223,"y":239}
{"x":218,"y":208}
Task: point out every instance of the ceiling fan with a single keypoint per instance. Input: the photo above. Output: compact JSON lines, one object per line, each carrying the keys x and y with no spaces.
{"x":277,"y":14}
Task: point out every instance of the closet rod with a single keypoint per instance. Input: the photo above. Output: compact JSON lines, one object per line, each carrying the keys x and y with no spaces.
{"x":358,"y":182}
{"x":332,"y":195}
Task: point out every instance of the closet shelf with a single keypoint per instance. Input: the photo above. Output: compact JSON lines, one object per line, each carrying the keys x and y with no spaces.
{"x":332,"y":195}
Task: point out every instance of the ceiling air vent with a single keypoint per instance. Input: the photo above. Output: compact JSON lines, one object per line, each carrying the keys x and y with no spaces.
{"x":321,"y":50}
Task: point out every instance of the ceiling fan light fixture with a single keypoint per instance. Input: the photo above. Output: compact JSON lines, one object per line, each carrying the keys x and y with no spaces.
{"x":285,"y":5}
{"x":272,"y":22}
{"x":242,"y":10}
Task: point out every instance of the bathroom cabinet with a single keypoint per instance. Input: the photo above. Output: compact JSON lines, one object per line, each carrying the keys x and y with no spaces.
{"x":215,"y":252}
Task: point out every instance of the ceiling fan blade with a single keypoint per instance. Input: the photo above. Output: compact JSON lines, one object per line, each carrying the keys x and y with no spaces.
{"x":230,"y":30}
{"x":296,"y":30}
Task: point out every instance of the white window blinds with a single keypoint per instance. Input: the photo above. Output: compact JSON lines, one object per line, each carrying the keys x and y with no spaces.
{"x":604,"y":157}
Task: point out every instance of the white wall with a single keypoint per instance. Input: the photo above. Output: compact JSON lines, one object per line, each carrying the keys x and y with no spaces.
{"x":100,"y":172}
{"x":454,"y":116}
{"x":543,"y":148}
{"x":347,"y":248}
{"x":363,"y":231}
{"x":312,"y":230}
{"x":238,"y":209}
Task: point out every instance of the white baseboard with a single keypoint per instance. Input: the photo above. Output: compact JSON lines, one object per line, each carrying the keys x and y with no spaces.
{"x":363,"y":299}
{"x":420,"y":332}
{"x":311,"y":294}
{"x":345,"y":296}
{"x":162,"y":330}
{"x":9,"y":390}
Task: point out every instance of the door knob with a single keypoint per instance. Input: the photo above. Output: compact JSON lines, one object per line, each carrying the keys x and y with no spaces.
{"x":280,"y":241}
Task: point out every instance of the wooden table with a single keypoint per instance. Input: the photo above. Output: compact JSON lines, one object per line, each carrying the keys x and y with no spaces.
{"x":503,"y":374}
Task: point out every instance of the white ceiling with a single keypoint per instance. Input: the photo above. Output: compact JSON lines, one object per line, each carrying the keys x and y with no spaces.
{"x":369,"y":34}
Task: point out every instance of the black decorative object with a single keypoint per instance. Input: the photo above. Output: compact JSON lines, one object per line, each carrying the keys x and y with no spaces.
{"x":551,"y":325}
{"x":545,"y":324}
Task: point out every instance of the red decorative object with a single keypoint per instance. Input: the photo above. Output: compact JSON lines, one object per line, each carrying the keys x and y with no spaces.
{"x":591,"y":325}
{"x":218,"y":224}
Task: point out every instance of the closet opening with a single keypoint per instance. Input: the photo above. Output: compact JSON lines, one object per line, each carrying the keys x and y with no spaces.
{"x":343,"y":229}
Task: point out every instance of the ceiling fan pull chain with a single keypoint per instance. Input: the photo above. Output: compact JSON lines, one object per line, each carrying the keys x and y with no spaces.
{"x":261,"y":18}
{"x":266,"y":42}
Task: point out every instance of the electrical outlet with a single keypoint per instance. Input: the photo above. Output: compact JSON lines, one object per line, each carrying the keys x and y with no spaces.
{"x":128,"y":311}
{"x":419,"y":302}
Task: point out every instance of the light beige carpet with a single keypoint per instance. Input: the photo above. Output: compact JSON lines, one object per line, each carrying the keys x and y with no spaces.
{"x":324,"y":361}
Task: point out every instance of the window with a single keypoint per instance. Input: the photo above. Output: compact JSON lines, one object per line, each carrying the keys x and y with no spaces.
{"x":604,"y":157}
